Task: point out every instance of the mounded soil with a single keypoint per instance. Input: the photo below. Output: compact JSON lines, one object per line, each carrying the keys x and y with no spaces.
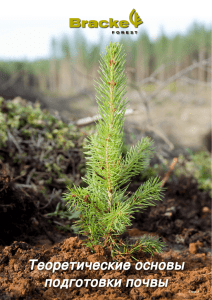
{"x":182,"y":220}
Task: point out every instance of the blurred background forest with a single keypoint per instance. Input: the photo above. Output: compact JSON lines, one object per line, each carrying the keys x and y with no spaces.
{"x":74,"y":62}
{"x":174,"y":72}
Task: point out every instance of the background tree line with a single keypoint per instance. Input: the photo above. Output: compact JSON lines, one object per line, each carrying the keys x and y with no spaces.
{"x":74,"y":61}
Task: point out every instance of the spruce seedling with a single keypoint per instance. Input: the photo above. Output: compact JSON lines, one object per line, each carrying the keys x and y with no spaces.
{"x":106,"y":208}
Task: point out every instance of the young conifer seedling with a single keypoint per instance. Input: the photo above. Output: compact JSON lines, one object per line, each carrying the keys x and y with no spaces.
{"x":106,"y":208}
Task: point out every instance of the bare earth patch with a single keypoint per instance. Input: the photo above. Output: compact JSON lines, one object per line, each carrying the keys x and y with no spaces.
{"x":182,"y":220}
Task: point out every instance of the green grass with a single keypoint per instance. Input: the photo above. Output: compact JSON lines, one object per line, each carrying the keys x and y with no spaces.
{"x":199,"y":166}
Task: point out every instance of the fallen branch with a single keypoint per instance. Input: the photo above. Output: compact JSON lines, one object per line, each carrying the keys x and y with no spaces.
{"x":130,"y":111}
{"x":192,"y":81}
{"x":176,"y":76}
{"x":90,"y":120}
{"x":171,"y":168}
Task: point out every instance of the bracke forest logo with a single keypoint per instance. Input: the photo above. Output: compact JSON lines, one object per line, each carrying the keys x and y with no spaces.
{"x":134,"y":19}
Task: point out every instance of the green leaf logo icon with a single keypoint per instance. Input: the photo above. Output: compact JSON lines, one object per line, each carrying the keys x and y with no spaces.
{"x":137,"y":20}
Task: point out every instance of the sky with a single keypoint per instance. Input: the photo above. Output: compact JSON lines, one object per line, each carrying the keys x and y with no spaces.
{"x":27,"y":27}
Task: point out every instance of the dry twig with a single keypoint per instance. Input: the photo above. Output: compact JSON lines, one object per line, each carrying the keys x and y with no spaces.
{"x":171,"y":168}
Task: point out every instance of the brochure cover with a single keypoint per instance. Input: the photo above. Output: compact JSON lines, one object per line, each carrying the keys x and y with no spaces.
{"x":105,"y":150}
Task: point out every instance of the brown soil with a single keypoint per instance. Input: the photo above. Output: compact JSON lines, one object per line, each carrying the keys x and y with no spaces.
{"x":182,"y":220}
